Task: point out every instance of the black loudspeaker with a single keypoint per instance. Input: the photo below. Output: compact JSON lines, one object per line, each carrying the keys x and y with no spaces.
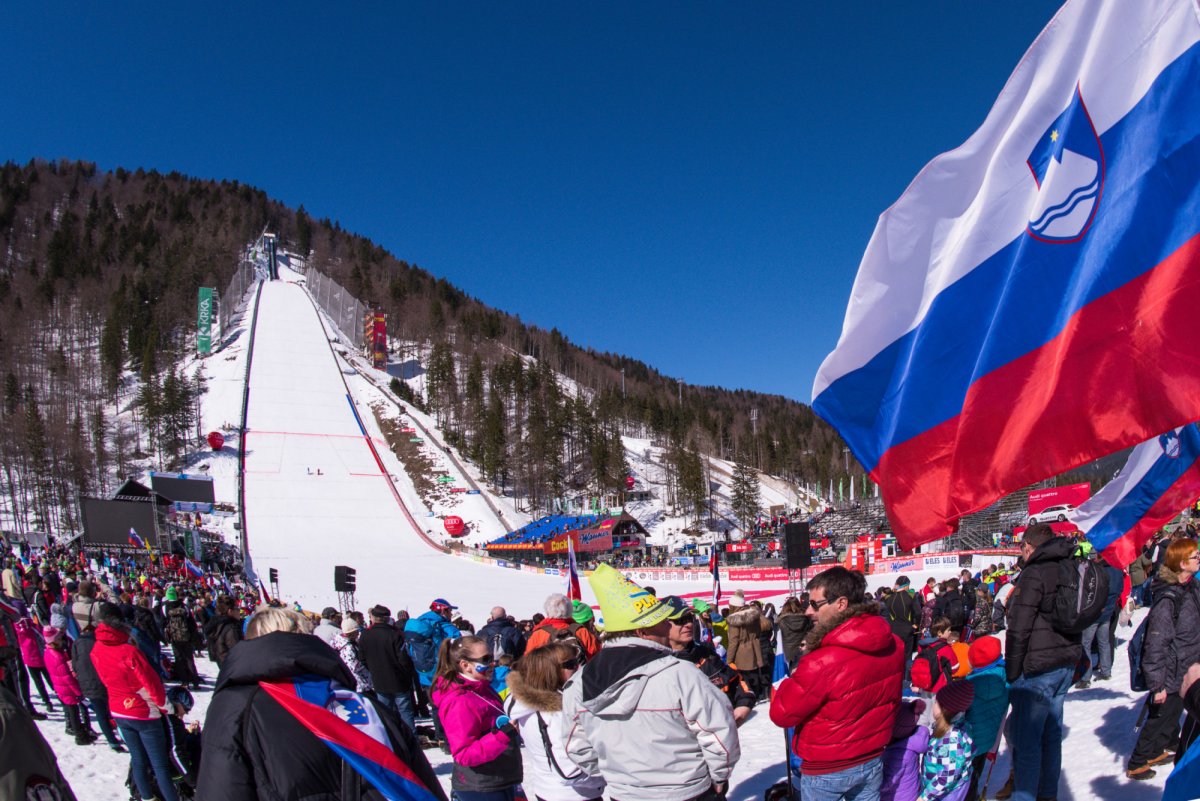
{"x":344,"y":579}
{"x":797,"y":546}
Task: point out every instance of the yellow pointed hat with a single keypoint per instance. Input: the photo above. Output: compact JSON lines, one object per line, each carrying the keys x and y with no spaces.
{"x":625,"y":605}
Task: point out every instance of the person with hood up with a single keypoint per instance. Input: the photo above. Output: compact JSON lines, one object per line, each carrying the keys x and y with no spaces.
{"x":902,"y":758}
{"x":991,"y":702}
{"x":256,"y":749}
{"x":635,"y":708}
{"x":89,"y":679}
{"x":844,"y":694}
{"x":137,"y":700}
{"x":535,"y":705}
{"x":485,"y":744}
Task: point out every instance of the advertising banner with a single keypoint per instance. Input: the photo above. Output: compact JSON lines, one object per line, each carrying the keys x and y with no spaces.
{"x":738,"y":547}
{"x":1072,"y":495}
{"x":204,"y":321}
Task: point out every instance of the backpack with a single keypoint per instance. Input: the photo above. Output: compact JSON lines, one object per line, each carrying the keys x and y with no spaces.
{"x":569,"y":632}
{"x":1137,"y":682}
{"x":934,"y":664}
{"x":422,"y":649}
{"x":177,"y":628}
{"x":955,"y":611}
{"x":1080,"y":596}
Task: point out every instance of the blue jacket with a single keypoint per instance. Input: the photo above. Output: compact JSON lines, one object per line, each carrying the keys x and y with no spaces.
{"x":987,"y":710}
{"x":436,"y":628}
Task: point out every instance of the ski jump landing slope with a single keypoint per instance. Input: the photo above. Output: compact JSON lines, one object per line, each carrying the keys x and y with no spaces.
{"x":316,"y":495}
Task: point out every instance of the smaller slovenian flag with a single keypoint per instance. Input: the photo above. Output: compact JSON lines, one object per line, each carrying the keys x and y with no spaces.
{"x":351,"y":727}
{"x":714,"y":567}
{"x":135,"y":540}
{"x":1160,"y":478}
{"x":779,"y":672}
{"x":573,"y":591}
{"x":193,"y":569}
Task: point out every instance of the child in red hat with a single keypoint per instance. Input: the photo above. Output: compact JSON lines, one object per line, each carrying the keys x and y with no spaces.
{"x":946,"y":768}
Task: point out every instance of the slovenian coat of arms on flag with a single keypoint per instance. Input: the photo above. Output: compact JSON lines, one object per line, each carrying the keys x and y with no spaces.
{"x":1028,"y":304}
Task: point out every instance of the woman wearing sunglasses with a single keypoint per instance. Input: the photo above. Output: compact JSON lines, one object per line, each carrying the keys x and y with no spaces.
{"x":484,"y":743}
{"x":535,"y":705}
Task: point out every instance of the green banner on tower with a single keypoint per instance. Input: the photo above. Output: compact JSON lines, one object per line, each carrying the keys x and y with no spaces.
{"x":204,"y":321}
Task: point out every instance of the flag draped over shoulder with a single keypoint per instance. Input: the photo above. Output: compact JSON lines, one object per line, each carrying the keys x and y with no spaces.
{"x":1028,"y":304}
{"x":352,"y":729}
{"x":1160,"y":478}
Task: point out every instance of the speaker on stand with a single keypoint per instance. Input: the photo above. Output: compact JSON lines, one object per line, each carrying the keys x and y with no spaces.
{"x":797,"y":554}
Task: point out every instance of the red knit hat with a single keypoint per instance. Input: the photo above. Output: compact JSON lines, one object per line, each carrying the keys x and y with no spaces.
{"x":955,"y":697}
{"x":983,"y":652}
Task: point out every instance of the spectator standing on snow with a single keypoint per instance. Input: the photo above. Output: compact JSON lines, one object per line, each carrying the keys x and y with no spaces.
{"x":902,"y":758}
{"x":535,"y":704}
{"x":902,"y":609}
{"x":560,"y":623}
{"x":1040,"y":665}
{"x":255,"y":749}
{"x":794,"y":625}
{"x":682,"y":639}
{"x":89,"y":680}
{"x":486,"y":749}
{"x":33,"y":647}
{"x":991,"y":702}
{"x":638,"y":717}
{"x":387,"y":660}
{"x":137,"y":700}
{"x":844,"y":694}
{"x":223,"y":630}
{"x":502,"y":635}
{"x":746,"y":625}
{"x":1101,"y":632}
{"x":351,"y":655}
{"x":329,"y":630}
{"x":946,"y":766}
{"x":1171,"y":646}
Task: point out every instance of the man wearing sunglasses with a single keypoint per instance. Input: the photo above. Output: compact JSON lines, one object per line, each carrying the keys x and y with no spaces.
{"x":843,"y":696}
{"x":683,"y":642}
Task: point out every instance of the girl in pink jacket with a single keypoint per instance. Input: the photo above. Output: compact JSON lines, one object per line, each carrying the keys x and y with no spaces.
{"x":32,"y":645}
{"x":66,"y":686}
{"x":484,"y":742}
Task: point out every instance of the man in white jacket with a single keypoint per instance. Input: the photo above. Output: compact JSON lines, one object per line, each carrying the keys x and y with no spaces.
{"x":650,"y":724}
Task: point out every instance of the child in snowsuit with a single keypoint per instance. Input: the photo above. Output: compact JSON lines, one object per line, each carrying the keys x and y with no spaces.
{"x":32,"y":647}
{"x":902,"y":757}
{"x":946,"y":768}
{"x":66,"y":686}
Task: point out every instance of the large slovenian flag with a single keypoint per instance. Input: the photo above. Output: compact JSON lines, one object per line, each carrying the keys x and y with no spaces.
{"x":1029,"y":303}
{"x":1160,"y":479}
{"x":193,"y":569}
{"x":135,"y":540}
{"x":351,"y":727}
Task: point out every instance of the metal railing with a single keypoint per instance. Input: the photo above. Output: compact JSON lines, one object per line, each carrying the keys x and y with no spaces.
{"x":345,"y":311}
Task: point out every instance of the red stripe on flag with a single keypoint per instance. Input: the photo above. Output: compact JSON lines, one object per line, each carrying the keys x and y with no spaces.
{"x":328,"y":726}
{"x":1124,"y":369}
{"x":1178,"y":496}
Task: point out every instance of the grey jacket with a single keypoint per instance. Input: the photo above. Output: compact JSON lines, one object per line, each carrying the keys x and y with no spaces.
{"x":1173,"y":632}
{"x":635,"y":709}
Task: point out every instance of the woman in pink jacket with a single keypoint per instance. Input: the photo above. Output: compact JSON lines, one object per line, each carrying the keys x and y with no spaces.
{"x":483,"y":741}
{"x":32,"y":645}
{"x":66,"y":686}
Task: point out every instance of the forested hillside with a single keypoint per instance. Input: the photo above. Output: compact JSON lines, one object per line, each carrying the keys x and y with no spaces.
{"x":98,"y":283}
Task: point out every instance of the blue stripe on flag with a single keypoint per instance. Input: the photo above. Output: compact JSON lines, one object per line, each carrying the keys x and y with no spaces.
{"x":1030,"y":288}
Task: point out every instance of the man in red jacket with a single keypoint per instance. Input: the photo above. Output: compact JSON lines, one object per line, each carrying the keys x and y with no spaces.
{"x":843,"y":695}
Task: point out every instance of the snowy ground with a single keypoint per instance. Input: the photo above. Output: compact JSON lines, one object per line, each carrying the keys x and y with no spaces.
{"x":1100,"y":734}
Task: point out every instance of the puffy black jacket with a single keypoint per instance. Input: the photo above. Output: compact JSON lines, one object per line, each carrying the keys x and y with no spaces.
{"x":85,"y":671}
{"x":382,"y":650}
{"x":724,"y":678}
{"x":952,"y":606}
{"x":512,"y":641}
{"x":254,"y":750}
{"x":1033,"y":646}
{"x":221,"y":634}
{"x":795,"y":627}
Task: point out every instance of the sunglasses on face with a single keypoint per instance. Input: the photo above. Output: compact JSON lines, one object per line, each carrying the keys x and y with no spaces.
{"x":686,"y":620}
{"x":816,"y":605}
{"x":482,"y":664}
{"x":570,"y":664}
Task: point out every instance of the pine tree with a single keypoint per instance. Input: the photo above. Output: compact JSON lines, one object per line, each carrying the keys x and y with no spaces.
{"x":746,"y":501}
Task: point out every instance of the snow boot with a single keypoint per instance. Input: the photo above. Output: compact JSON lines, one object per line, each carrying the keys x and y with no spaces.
{"x":1140,"y":774}
{"x":1006,"y":791}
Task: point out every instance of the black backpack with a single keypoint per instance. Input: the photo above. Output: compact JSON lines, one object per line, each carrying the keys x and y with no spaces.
{"x":1137,"y":682}
{"x":1080,"y":596}
{"x":177,"y":627}
{"x":422,"y":649}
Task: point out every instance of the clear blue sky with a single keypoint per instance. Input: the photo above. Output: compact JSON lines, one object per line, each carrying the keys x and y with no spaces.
{"x":691,"y":184}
